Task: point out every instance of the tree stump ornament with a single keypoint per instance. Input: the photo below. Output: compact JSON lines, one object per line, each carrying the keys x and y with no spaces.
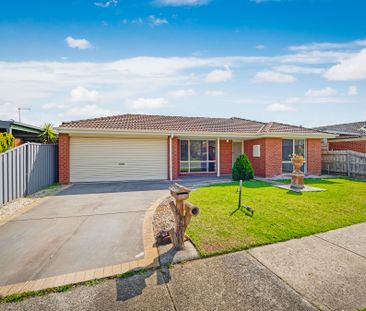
{"x":183,"y":212}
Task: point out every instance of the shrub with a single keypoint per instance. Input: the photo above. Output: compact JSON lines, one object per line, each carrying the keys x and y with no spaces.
{"x":6,"y":141}
{"x":242,"y":168}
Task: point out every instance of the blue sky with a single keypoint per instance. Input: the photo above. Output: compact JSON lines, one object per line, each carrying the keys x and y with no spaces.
{"x":293,"y":61}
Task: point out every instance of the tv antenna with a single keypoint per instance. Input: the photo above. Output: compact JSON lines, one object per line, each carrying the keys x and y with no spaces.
{"x":20,"y":112}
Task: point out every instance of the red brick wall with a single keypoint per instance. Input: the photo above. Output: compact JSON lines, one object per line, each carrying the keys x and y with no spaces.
{"x":314,"y":157}
{"x":226,"y":157}
{"x":355,"y":145}
{"x":269,"y":163}
{"x":273,"y":156}
{"x":257,"y":163}
{"x":64,"y":158}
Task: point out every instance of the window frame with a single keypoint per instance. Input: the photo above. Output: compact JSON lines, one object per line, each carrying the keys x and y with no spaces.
{"x":189,"y":161}
{"x":293,"y":151}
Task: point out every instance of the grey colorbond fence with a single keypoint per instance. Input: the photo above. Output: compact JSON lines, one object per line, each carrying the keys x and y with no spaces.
{"x":26,"y":169}
{"x":344,"y":162}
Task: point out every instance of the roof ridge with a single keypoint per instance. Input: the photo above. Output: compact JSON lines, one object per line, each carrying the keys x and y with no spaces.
{"x":159,"y":115}
{"x":239,"y":118}
{"x":340,"y":124}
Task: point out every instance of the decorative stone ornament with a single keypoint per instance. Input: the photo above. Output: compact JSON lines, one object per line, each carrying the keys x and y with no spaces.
{"x":297,"y":176}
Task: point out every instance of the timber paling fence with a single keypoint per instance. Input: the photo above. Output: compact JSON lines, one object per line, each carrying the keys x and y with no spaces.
{"x":26,"y":169}
{"x":344,"y":162}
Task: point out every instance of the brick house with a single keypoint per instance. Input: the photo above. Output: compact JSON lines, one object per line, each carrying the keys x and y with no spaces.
{"x":147,"y":147}
{"x":350,"y":136}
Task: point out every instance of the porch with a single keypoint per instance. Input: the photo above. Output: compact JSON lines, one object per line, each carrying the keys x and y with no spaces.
{"x":270,"y":157}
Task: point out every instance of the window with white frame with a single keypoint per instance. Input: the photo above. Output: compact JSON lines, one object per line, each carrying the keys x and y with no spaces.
{"x":197,"y":156}
{"x":289,"y":147}
{"x":256,"y":151}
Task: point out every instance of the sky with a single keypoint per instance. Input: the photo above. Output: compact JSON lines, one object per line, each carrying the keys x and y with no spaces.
{"x":293,"y":61}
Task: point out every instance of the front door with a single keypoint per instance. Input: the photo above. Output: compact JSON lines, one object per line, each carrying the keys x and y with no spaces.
{"x":236,"y":151}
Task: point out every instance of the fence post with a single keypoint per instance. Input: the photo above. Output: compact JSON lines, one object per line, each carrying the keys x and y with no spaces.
{"x":348,"y":164}
{"x":27,"y":165}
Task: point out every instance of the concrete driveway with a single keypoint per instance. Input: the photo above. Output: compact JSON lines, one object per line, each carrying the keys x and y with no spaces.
{"x":85,"y":226}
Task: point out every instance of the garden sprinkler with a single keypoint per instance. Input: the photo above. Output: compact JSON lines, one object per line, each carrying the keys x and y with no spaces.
{"x":244,"y":209}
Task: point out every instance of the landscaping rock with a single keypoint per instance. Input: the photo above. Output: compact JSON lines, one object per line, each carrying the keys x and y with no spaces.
{"x":163,"y":219}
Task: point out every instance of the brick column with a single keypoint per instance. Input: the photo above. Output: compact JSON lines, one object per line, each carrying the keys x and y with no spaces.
{"x":175,"y":149}
{"x":64,"y":158}
{"x":226,"y":157}
{"x":314,"y":157}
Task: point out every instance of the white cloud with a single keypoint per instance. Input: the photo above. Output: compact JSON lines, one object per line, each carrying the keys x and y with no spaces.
{"x":298,"y":69}
{"x":260,"y":47}
{"x":353,"y":68}
{"x":182,"y":93}
{"x":325,"y":100}
{"x":219,"y":75}
{"x":314,"y":57}
{"x":285,"y":106}
{"x":106,"y":4}
{"x":81,"y":94}
{"x":9,"y":111}
{"x":273,"y":77}
{"x":54,"y":106}
{"x":328,"y":45}
{"x":293,"y":100}
{"x":352,"y":90}
{"x":214,"y":93}
{"x":181,"y":2}
{"x":278,"y":107}
{"x":148,"y":103}
{"x":89,"y":111}
{"x":326,"y":92}
{"x":264,"y":1}
{"x":156,"y":21}
{"x":81,"y":44}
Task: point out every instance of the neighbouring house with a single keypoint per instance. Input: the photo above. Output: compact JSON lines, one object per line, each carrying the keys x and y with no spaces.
{"x":350,"y":136}
{"x":22,"y":132}
{"x":147,"y":147}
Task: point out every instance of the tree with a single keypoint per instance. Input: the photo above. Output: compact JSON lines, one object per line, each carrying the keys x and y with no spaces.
{"x":6,"y":141}
{"x":242,"y":169}
{"x":48,"y":134}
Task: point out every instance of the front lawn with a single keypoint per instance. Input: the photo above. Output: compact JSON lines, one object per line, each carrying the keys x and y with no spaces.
{"x":279,"y":214}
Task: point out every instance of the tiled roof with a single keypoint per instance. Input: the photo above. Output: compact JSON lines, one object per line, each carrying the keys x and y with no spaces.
{"x":355,"y":128}
{"x":142,"y":122}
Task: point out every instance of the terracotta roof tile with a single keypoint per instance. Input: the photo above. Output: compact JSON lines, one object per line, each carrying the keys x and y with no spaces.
{"x":142,"y":122}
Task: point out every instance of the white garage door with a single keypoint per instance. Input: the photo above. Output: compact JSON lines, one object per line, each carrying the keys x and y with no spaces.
{"x":105,"y":159}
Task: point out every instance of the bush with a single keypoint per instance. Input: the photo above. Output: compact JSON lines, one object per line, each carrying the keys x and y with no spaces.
{"x":6,"y":141}
{"x":242,"y":168}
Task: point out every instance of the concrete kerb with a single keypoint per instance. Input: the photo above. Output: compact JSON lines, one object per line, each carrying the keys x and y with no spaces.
{"x":150,"y":260}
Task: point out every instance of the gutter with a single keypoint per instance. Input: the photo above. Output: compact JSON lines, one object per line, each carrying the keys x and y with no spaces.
{"x":93,"y":131}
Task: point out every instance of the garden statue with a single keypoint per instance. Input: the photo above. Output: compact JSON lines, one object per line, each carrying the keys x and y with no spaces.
{"x":297,"y":176}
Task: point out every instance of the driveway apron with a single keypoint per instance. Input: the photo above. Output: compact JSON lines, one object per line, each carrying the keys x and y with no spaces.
{"x":83,"y":227}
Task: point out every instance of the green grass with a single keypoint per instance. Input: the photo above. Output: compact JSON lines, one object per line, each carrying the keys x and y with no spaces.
{"x":42,"y":292}
{"x":131,"y":273}
{"x":279,"y":214}
{"x":64,"y":288}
